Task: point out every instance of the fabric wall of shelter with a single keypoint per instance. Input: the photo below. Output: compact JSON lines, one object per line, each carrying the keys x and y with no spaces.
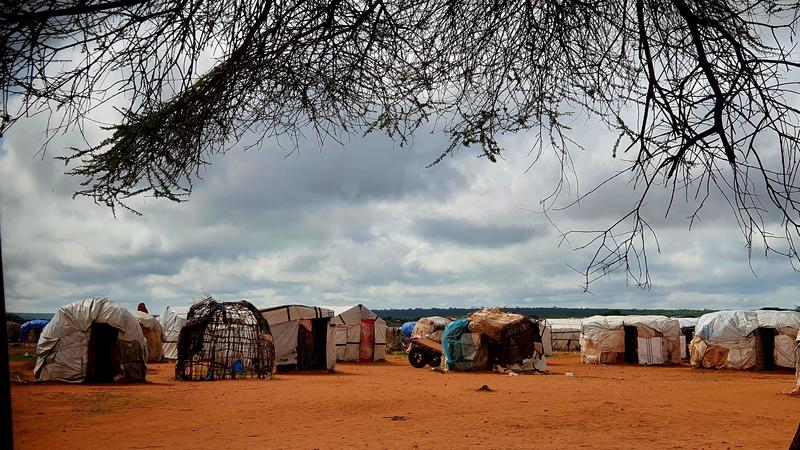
{"x":63,"y":346}
{"x":602,"y":340}
{"x":172,"y":320}
{"x":659,"y":348}
{"x":12,"y":331}
{"x":785,"y":347}
{"x":153,"y":333}
{"x":379,"y":354}
{"x":739,"y":354}
{"x":347,"y":322}
{"x":284,"y":335}
{"x":547,"y":338}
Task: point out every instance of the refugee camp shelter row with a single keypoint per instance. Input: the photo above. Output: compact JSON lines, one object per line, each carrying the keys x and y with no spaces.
{"x":94,"y":340}
{"x":631,"y":339}
{"x":738,"y":339}
{"x":360,"y":334}
{"x":303,"y":335}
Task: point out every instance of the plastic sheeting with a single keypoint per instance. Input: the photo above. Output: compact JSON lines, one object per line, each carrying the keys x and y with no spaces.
{"x":172,"y":320}
{"x":63,"y":348}
{"x":727,"y":339}
{"x":603,"y":339}
{"x":284,"y":323}
{"x":153,"y":333}
{"x":430,"y":327}
{"x":462,"y":349}
{"x":27,"y":330}
{"x":407,"y":328}
{"x":347,"y":323}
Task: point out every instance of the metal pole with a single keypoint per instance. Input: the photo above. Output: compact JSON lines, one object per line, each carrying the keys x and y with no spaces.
{"x":7,"y":439}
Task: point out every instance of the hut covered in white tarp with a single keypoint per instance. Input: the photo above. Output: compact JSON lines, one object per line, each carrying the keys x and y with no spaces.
{"x":172,"y":320}
{"x":360,"y":334}
{"x":632,"y":339}
{"x":153,"y":333}
{"x":745,"y":339}
{"x":303,"y":335}
{"x":94,"y":340}
{"x":565,"y":334}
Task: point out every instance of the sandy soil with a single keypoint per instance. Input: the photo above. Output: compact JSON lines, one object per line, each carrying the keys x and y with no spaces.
{"x":392,"y":405}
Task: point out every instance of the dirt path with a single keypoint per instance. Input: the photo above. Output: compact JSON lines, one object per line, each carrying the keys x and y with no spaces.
{"x":392,"y":405}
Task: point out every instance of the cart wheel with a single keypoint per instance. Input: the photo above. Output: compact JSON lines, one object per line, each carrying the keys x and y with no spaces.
{"x":417,"y":358}
{"x":435,"y":361}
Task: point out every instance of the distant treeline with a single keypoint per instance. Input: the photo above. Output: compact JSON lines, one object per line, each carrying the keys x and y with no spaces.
{"x":394,"y":317}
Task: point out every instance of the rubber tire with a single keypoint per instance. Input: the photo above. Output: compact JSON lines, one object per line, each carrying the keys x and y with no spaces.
{"x":417,"y":357}
{"x":435,"y":361}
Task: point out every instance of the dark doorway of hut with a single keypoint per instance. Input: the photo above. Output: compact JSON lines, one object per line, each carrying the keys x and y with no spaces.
{"x":631,"y":345}
{"x":765,"y":349}
{"x":312,"y":344}
{"x":103,"y":354}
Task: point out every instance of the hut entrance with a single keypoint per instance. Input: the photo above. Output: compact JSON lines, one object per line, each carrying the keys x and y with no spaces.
{"x":367,"y":341}
{"x":103,"y":355}
{"x":765,"y":349}
{"x":312,"y":344}
{"x":631,"y":345}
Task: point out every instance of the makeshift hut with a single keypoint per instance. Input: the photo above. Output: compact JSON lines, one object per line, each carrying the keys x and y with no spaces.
{"x":153,"y":333}
{"x":687,"y":333}
{"x":95,"y":340}
{"x":644,"y":340}
{"x":565,"y":334}
{"x":493,"y":339}
{"x":172,"y":320}
{"x":224,"y":340}
{"x":303,"y":336}
{"x":739,"y":339}
{"x":12,"y":331}
{"x":360,"y":334}
{"x":31,"y":330}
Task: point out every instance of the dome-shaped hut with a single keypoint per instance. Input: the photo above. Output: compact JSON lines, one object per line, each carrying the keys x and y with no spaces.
{"x":94,"y":340}
{"x":224,"y":340}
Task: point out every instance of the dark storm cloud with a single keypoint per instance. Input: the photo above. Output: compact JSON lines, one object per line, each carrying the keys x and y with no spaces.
{"x":466,"y":233}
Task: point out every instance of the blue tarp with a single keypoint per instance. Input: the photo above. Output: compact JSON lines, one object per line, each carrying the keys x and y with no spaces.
{"x":407,"y":328}
{"x":451,"y":342}
{"x":30,"y":325}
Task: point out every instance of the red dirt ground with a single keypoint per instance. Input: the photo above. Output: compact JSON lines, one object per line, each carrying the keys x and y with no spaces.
{"x":392,"y":405}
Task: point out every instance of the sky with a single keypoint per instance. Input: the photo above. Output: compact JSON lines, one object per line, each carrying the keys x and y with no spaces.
{"x":361,"y":222}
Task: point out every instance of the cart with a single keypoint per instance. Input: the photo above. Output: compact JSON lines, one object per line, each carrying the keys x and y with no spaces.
{"x":425,"y":351}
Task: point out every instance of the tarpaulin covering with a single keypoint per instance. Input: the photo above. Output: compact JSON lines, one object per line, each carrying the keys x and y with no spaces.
{"x":727,"y":339}
{"x":462,"y":349}
{"x":603,"y":339}
{"x":284,"y":323}
{"x":26,"y":331}
{"x":63,"y":348}
{"x":153,"y":333}
{"x":347,"y":323}
{"x":407,"y":328}
{"x":172,"y":320}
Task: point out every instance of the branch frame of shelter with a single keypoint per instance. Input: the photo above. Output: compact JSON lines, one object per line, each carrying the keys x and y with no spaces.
{"x":224,"y":340}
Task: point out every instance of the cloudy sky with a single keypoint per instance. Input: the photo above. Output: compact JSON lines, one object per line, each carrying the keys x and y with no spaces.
{"x":361,"y":222}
